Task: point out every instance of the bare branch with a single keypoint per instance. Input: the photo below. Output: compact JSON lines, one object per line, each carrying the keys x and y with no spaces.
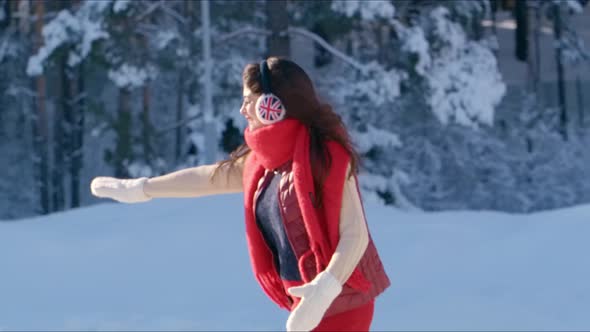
{"x":148,"y":11}
{"x":78,"y":98}
{"x":240,"y":32}
{"x":323,"y":43}
{"x":178,"y":124}
{"x":174,"y":14}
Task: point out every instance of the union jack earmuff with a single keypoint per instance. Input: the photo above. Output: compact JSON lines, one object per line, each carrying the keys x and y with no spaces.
{"x":269,"y":108}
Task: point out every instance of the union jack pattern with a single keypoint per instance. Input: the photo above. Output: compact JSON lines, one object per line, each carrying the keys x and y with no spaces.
{"x":270,"y":109}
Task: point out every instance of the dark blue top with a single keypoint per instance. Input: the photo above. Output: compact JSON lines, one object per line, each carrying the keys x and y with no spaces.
{"x":270,"y":222}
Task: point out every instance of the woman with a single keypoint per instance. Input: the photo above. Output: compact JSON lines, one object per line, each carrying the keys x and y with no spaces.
{"x":307,"y":236}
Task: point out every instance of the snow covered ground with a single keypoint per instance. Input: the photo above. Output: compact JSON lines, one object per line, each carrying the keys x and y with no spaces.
{"x":181,"y":264}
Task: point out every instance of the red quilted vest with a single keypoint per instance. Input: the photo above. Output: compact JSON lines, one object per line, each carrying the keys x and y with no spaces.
{"x":288,"y":142}
{"x":370,"y":263}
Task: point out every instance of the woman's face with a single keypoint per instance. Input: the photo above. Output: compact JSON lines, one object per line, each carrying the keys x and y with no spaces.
{"x":248,"y":109}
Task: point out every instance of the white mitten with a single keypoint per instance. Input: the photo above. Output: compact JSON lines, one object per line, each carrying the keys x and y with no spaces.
{"x":122,"y":190}
{"x":316,"y":297}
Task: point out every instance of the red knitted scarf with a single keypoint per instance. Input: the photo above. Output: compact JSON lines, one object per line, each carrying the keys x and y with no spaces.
{"x":272,"y":146}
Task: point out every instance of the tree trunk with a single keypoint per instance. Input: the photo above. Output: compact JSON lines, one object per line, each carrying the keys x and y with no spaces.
{"x":494,"y":4}
{"x":24,"y":17}
{"x":123,"y":146}
{"x":477,"y":27}
{"x":580,"y":95}
{"x":557,"y":26}
{"x":179,"y":137}
{"x":193,"y":93}
{"x":39,"y":126}
{"x":77,"y":137}
{"x":210,"y":133}
{"x":180,"y":89}
{"x":61,"y":126}
{"x":383,"y":38}
{"x":5,"y":21}
{"x":147,"y":128}
{"x":277,"y":22}
{"x":522,"y":30}
{"x":538,"y":23}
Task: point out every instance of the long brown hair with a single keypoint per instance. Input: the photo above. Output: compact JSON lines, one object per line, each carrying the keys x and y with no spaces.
{"x":291,"y":84}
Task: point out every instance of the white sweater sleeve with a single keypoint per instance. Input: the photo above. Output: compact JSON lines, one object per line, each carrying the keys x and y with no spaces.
{"x":354,"y":236}
{"x":196,"y":182}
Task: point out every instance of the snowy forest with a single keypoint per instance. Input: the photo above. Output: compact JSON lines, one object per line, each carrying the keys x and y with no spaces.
{"x":142,"y":88}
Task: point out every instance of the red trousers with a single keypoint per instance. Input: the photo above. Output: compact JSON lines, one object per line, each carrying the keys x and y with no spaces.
{"x":357,"y":319}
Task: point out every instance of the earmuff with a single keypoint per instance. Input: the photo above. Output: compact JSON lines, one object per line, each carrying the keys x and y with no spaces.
{"x":269,"y":108}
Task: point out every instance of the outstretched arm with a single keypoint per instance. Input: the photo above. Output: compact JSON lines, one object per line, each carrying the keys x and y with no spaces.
{"x":195,"y":182}
{"x":191,"y":182}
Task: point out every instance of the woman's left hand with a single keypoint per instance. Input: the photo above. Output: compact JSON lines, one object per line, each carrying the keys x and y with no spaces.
{"x":316,"y":297}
